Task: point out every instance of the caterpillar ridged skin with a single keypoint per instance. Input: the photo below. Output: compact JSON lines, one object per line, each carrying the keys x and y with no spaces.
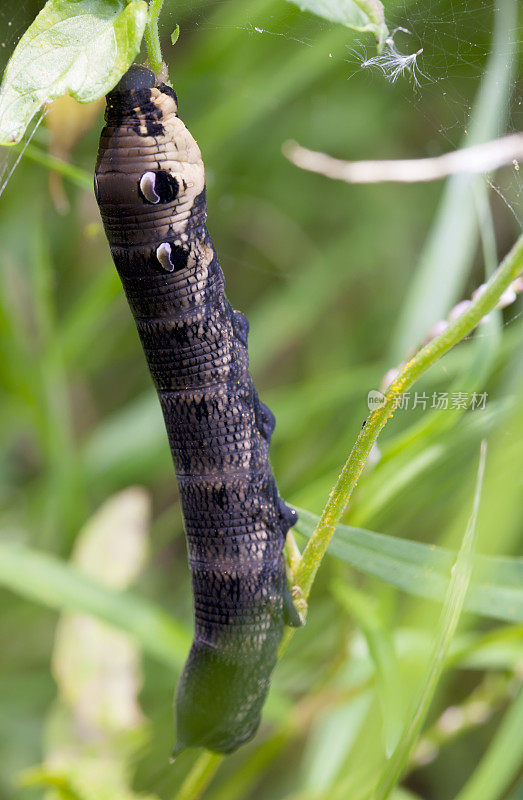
{"x":150,"y":187}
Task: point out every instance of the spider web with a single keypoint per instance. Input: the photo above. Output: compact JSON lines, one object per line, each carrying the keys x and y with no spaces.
{"x":434,"y":58}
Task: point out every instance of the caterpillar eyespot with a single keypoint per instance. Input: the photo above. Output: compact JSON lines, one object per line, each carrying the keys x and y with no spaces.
{"x":158,"y":187}
{"x":218,"y":429}
{"x":171,"y":257}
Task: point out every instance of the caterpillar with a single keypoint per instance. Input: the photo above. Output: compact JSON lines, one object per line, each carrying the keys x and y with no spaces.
{"x":150,"y":188}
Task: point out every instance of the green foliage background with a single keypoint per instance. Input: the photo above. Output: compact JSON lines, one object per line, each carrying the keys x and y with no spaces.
{"x":325,"y":274}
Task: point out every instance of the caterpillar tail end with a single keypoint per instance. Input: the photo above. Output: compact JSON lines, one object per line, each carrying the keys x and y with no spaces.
{"x":177,"y":750}
{"x":221,"y":694}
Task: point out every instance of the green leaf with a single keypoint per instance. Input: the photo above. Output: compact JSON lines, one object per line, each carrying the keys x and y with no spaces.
{"x":359,"y":15}
{"x":422,"y":569}
{"x":175,"y":35}
{"x":332,"y":736}
{"x":370,"y":618}
{"x":48,"y":580}
{"x":79,"y":48}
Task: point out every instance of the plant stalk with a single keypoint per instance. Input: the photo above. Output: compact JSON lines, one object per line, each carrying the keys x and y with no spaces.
{"x":199,"y":776}
{"x":152,"y":36}
{"x":315,"y":550}
{"x":509,"y":269}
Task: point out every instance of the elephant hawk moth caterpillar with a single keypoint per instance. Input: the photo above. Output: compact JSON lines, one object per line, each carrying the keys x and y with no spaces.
{"x":150,"y":187}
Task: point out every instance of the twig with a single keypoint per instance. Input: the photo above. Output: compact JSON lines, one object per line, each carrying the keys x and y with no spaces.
{"x":478,"y":158}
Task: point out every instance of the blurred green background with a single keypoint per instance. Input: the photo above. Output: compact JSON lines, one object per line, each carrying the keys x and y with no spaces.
{"x":338,"y":283}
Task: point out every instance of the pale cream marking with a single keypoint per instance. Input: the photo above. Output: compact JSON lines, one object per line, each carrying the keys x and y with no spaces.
{"x":163,"y":254}
{"x":147,"y":184}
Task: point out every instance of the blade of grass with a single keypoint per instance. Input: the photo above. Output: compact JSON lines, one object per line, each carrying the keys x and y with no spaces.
{"x":63,"y":491}
{"x":56,"y":584}
{"x":499,"y":649}
{"x":305,"y":66}
{"x":517,"y":792}
{"x":75,"y":174}
{"x":333,"y":734}
{"x":502,"y":761}
{"x":281,"y":313}
{"x":450,"y":615}
{"x":242,"y":782}
{"x":88,"y":315}
{"x":110,"y":452}
{"x":451,"y":243}
{"x":403,"y":794}
{"x":496,"y":588}
{"x":367,"y":614}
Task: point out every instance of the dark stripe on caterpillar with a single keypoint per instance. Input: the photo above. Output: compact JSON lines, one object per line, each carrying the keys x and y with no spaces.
{"x":149,"y":183}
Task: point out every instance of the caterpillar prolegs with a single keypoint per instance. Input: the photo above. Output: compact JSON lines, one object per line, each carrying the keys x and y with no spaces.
{"x":150,"y":187}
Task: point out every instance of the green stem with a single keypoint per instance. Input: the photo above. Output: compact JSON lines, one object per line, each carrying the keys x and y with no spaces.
{"x":75,"y":174}
{"x":207,"y":763}
{"x":199,"y":776}
{"x":313,"y":554}
{"x":152,"y":36}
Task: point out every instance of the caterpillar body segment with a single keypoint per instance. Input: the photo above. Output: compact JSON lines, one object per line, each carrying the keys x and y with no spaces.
{"x":150,"y":187}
